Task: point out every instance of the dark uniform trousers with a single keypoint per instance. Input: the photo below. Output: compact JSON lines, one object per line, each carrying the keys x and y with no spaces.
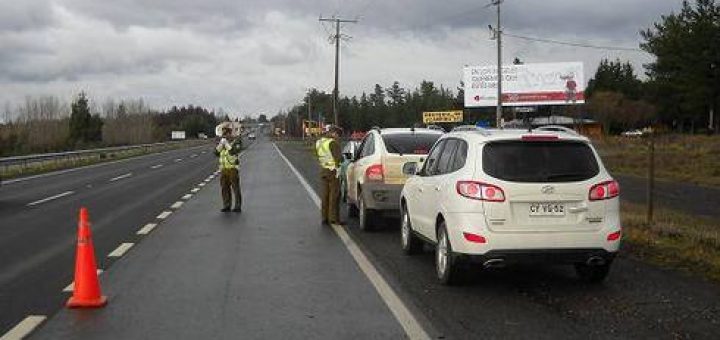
{"x":330,"y":186}
{"x":230,"y":185}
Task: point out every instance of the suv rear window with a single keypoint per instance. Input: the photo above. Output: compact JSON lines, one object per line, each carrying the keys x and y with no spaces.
{"x":410,"y":143}
{"x":518,"y":161}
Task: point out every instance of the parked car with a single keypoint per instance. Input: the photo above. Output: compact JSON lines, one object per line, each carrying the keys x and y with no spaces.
{"x":374,"y":177}
{"x":348,"y":153}
{"x":497,"y":197}
{"x":251,"y":136}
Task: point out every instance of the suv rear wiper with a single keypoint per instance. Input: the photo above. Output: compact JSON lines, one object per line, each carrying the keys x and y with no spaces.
{"x":567,"y":175}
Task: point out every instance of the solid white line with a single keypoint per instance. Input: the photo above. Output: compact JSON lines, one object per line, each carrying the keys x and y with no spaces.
{"x":147,"y":229}
{"x":121,"y":250}
{"x":410,"y":324}
{"x":129,"y":174}
{"x":176,"y":205}
{"x":47,"y":199}
{"x":164,"y":215}
{"x":195,"y":190}
{"x":24,"y":328}
{"x":187,"y":197}
{"x":158,"y":166}
{"x":71,"y":286}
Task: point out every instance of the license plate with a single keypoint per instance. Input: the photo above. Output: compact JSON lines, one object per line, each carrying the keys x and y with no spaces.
{"x":547,"y":209}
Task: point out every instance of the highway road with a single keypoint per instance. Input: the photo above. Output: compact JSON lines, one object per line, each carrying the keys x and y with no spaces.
{"x":38,"y":221}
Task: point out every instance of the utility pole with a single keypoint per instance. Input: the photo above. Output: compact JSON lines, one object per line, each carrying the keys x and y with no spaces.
{"x":498,"y":35}
{"x":337,"y":22}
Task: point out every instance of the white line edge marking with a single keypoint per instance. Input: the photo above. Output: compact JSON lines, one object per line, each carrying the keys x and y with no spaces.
{"x":202,"y":184}
{"x":178,"y":159}
{"x":121,"y":250}
{"x":24,"y":328}
{"x":176,"y":205}
{"x":410,"y":324}
{"x":129,"y":174}
{"x":47,"y":199}
{"x":187,"y":197}
{"x":147,"y":229}
{"x":164,"y":215}
{"x":71,"y":286}
{"x":195,"y":190}
{"x":158,"y":166}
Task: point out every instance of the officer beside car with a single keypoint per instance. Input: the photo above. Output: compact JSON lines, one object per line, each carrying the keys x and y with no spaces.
{"x":327,"y":149}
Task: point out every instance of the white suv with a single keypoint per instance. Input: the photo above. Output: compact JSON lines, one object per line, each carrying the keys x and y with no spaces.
{"x":496,"y":197}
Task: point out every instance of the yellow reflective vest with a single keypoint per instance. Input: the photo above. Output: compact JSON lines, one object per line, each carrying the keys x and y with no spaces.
{"x":325,"y":156}
{"x":227,"y":160}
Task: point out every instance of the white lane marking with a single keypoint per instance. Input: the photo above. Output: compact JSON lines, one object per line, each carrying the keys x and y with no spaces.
{"x":121,"y":250}
{"x":195,"y":190}
{"x":201,"y":184}
{"x":158,"y":166}
{"x":71,"y":286}
{"x":203,"y":152}
{"x":47,"y":199}
{"x":193,"y":155}
{"x":147,"y":229}
{"x":178,"y":160}
{"x":129,"y":174}
{"x":24,"y":328}
{"x":176,"y":205}
{"x":187,"y":197}
{"x":164,"y":215}
{"x":410,"y":324}
{"x":60,"y":172}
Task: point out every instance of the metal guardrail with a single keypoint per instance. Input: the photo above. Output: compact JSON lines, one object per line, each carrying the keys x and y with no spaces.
{"x":26,"y":161}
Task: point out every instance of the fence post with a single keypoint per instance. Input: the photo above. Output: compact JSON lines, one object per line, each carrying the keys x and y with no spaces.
{"x":651,"y":177}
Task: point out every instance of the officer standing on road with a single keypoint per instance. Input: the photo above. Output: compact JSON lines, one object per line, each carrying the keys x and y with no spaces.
{"x":328,"y":153}
{"x":227,"y":151}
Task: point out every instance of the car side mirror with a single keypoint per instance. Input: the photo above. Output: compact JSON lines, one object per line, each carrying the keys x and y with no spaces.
{"x":410,"y":168}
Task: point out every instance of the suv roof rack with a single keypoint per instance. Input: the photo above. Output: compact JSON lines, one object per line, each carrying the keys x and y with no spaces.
{"x":556,"y":128}
{"x":483,"y":131}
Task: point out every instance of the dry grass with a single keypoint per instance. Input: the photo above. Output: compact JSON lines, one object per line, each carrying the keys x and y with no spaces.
{"x":694,"y":159}
{"x":676,"y":240}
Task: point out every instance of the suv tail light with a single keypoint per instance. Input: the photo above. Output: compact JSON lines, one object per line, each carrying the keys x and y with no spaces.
{"x":375,"y":173}
{"x":604,"y":190}
{"x":480,"y":191}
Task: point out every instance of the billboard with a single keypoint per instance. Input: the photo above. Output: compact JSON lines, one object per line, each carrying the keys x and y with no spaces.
{"x":525,"y":85}
{"x":442,"y":117}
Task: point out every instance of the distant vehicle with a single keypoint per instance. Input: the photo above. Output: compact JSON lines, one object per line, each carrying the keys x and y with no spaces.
{"x":348,"y":152}
{"x":251,"y":136}
{"x":374,"y":177}
{"x":633,"y":133}
{"x":497,"y":197}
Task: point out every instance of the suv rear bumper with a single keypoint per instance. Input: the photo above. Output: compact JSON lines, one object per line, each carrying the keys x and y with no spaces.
{"x":555,"y":256}
{"x":381,"y":196}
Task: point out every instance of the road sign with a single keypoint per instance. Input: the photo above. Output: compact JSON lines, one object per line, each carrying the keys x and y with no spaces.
{"x":443,"y":117}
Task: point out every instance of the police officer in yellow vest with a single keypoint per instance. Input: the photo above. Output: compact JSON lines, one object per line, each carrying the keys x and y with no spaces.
{"x":227,"y":151}
{"x":328,"y":153}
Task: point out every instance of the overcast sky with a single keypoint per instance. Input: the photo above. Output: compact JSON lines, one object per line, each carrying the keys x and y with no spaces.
{"x":259,"y":56}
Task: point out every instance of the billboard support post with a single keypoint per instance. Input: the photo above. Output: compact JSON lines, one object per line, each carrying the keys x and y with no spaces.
{"x":498,"y":113}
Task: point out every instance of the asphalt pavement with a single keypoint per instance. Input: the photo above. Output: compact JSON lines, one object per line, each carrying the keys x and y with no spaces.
{"x":271,"y":272}
{"x":638,"y":300}
{"x":38,"y":221}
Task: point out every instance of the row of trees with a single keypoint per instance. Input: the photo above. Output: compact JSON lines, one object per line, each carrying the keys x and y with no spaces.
{"x":46,"y":124}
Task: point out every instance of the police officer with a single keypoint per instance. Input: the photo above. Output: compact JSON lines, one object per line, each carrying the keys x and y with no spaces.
{"x":328,"y":153}
{"x":227,"y":151}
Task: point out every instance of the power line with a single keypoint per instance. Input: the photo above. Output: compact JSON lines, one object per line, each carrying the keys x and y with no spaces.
{"x":575,"y":44}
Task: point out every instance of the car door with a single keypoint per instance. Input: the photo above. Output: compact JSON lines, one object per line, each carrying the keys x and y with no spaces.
{"x":357,"y":173}
{"x":422,"y":219}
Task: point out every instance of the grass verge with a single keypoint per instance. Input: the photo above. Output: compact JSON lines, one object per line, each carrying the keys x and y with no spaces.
{"x":675,"y":240}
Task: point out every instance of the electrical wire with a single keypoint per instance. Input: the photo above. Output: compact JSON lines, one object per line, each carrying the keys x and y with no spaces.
{"x":575,"y":44}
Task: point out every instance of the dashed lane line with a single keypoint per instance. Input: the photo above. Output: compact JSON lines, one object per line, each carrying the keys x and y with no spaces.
{"x":187,"y":197}
{"x":157,"y":166}
{"x":407,"y":320}
{"x":121,"y":250}
{"x":147,"y":229}
{"x":176,"y":205}
{"x":201,"y":184}
{"x":48,"y":199}
{"x":163,"y":215}
{"x":195,"y":190}
{"x":178,"y":160}
{"x":129,"y":174}
{"x":71,"y":286}
{"x":24,"y":328}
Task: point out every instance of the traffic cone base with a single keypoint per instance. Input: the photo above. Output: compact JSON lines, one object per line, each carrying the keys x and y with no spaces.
{"x":86,"y":303}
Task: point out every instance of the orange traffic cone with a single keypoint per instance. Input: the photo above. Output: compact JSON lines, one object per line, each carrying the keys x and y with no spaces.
{"x":86,"y":293}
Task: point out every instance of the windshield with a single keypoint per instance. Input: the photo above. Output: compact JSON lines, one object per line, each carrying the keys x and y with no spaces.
{"x":410,"y":143}
{"x":519,"y":161}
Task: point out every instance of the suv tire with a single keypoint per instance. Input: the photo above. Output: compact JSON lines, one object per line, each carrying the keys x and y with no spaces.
{"x":446,"y":265}
{"x":410,"y":243}
{"x":366,"y":216}
{"x":592,"y":274}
